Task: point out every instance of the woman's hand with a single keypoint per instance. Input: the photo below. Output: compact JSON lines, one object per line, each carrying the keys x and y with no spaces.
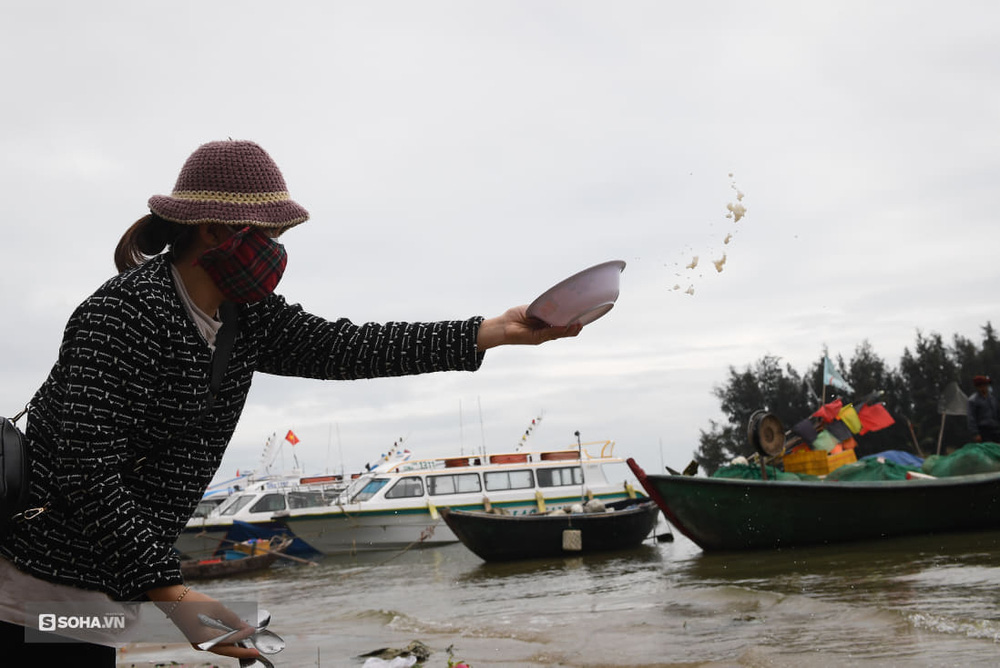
{"x":183,"y":609}
{"x":516,"y":327}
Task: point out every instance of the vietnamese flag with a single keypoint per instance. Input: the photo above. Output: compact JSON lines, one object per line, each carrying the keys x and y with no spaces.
{"x":291,"y":437}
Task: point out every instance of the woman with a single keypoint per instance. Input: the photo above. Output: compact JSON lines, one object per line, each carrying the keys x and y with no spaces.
{"x":127,"y":431}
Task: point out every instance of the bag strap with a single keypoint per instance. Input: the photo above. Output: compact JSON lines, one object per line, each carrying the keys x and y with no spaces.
{"x":223,"y":347}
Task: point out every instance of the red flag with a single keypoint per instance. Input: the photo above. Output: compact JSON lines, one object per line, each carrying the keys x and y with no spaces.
{"x":291,"y":437}
{"x":829,"y":412}
{"x":874,"y":417}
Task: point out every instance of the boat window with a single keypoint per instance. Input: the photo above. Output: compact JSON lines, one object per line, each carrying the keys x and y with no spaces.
{"x":237,"y":504}
{"x":498,"y":480}
{"x":406,"y":488}
{"x":369,"y":490}
{"x":459,"y":483}
{"x":306,"y":499}
{"x":355,"y":486}
{"x":560,"y":477}
{"x":269,"y":503}
{"x":206,"y":506}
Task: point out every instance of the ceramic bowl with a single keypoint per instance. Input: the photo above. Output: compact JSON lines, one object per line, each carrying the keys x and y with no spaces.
{"x":582,"y":298}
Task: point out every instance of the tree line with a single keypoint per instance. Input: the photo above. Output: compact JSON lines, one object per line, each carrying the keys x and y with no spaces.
{"x":910,"y":392}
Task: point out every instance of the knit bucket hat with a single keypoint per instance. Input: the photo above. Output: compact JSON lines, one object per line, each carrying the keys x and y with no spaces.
{"x":233,"y":183}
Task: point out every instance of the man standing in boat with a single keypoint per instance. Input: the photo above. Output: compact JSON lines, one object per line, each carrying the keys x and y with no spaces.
{"x":984,"y":411}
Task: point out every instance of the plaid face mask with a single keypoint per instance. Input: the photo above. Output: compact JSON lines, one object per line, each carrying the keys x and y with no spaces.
{"x":247,"y":266}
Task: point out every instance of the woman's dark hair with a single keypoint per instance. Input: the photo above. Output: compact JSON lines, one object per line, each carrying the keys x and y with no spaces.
{"x":147,"y":237}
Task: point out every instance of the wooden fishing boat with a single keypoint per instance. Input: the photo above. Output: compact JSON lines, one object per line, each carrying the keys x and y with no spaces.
{"x":506,"y":537}
{"x":737,"y":514}
{"x":248,"y":557}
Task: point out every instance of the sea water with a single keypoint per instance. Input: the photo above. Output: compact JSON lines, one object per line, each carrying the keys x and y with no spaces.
{"x":923,"y":601}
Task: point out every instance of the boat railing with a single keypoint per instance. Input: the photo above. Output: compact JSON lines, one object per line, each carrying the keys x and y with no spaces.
{"x":606,"y":450}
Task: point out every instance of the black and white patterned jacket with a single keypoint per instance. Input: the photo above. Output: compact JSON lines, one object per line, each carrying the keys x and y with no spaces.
{"x":121,"y":444}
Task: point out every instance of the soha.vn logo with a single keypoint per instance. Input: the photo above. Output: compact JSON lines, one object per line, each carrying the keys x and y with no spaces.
{"x":51,"y":622}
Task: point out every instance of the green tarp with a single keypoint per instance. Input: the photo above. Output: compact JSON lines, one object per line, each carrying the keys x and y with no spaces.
{"x":970,"y":458}
{"x":752,"y":472}
{"x":873,"y":468}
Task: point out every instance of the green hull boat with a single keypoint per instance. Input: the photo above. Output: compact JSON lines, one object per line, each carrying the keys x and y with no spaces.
{"x":736,"y":514}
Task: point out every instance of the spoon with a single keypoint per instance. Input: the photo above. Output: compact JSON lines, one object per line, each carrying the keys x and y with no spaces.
{"x":263,"y":640}
{"x":262,"y":619}
{"x":208,"y":644}
{"x":211,"y":621}
{"x":253,"y":663}
{"x":267,"y":642}
{"x":260,"y":661}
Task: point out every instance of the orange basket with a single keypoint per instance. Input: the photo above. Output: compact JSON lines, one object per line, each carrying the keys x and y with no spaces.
{"x":817,"y":462}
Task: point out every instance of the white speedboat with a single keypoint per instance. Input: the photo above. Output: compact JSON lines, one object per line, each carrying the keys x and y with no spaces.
{"x":238,"y":509}
{"x":246,"y":510}
{"x":395,"y":505}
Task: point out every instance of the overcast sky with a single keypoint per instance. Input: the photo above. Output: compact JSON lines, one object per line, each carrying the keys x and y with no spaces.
{"x":458,"y":158}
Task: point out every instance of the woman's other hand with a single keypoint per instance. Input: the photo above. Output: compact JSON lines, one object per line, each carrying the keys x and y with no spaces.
{"x":183,"y":609}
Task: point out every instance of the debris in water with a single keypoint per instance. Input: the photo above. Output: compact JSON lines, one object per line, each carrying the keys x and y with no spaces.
{"x":690,"y":290}
{"x":694,"y":263}
{"x":719,"y":263}
{"x":415,"y":649}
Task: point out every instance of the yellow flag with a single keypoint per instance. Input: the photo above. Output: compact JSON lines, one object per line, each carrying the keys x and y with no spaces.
{"x":850,"y":418}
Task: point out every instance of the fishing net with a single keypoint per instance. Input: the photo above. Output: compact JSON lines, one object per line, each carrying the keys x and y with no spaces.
{"x":872,"y":468}
{"x":752,"y":472}
{"x":970,"y":458}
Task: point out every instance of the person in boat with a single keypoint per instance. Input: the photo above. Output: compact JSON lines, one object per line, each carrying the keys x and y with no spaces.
{"x":984,"y":412}
{"x":124,"y":435}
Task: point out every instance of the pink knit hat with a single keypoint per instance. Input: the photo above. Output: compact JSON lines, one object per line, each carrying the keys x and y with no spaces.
{"x":233,"y":183}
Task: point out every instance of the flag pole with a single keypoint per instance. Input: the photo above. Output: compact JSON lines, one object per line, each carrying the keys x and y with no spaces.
{"x":940,"y":434}
{"x":826,"y":365}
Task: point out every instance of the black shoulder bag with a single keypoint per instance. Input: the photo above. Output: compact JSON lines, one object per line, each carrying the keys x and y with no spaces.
{"x":15,"y":470}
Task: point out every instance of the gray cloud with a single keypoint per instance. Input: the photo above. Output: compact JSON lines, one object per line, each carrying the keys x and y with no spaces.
{"x":460,"y":158}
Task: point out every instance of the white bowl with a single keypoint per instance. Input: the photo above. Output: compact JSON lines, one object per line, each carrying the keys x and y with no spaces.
{"x":582,"y":298}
